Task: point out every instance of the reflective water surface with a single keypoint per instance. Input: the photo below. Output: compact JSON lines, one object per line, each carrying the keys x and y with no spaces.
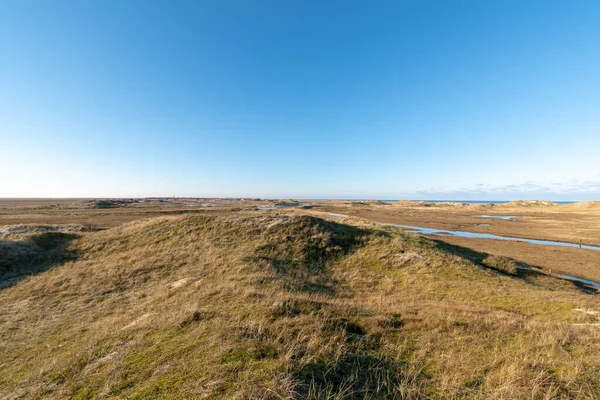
{"x":578,"y":279}
{"x":505,"y":217}
{"x":474,"y":235}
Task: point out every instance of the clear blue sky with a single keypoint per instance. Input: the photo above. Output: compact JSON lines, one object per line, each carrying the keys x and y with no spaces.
{"x":493,"y":99}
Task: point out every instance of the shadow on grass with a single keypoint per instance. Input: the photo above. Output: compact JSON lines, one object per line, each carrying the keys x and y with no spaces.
{"x":357,"y":370}
{"x":37,"y":253}
{"x":526,"y":272}
{"x":299,"y":252}
{"x":354,"y":376}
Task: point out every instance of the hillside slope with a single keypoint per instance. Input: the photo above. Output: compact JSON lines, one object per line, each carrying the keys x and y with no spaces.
{"x":284,"y":306}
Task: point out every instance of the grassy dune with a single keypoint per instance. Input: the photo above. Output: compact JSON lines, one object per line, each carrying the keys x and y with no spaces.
{"x":283,"y":306}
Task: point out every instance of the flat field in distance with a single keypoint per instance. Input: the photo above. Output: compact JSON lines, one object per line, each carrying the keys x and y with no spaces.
{"x":105,"y":213}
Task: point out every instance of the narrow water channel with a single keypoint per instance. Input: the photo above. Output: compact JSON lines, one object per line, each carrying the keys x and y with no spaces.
{"x":475,"y":235}
{"x":433,"y":231}
{"x":578,"y":279}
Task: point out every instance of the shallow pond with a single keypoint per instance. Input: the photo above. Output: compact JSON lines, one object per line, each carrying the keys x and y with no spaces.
{"x":505,"y":217}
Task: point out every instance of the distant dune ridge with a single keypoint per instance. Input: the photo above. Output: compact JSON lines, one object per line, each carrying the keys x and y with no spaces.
{"x":585,"y":204}
{"x":36,"y":228}
{"x":530,"y":203}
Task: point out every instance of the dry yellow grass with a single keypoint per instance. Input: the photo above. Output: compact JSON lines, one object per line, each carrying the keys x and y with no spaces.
{"x":569,"y":223}
{"x":277,"y":305}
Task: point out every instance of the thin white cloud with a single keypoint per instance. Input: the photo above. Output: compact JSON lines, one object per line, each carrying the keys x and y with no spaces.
{"x":573,"y":189}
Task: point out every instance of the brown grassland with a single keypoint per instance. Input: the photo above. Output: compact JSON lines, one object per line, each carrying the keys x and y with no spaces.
{"x":234,"y":302}
{"x":568,"y":223}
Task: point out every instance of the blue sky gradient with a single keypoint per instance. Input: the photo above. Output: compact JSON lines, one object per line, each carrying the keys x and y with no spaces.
{"x":305,"y":99}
